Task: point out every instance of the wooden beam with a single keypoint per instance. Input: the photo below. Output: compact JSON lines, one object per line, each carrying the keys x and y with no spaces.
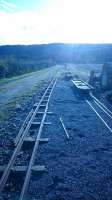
{"x":34,"y":124}
{"x":31,"y":139}
{"x":38,"y":168}
{"x":24,"y":168}
{"x":65,"y":130}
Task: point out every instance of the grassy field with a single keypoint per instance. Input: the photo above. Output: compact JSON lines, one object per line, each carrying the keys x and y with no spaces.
{"x":83,"y":70}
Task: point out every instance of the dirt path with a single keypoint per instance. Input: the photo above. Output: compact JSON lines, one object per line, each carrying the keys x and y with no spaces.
{"x":14,"y":91}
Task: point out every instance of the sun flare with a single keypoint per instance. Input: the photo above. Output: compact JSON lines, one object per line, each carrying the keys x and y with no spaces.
{"x":74,"y":21}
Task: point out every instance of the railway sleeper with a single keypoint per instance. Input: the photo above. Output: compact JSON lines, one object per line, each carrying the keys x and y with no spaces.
{"x":44,"y":100}
{"x":32,"y":139}
{"x":29,"y":142}
{"x":19,"y":169}
{"x":42,"y":112}
{"x":36,"y":124}
{"x":41,"y":105}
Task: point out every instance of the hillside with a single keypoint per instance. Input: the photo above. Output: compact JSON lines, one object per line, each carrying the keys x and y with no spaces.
{"x":19,"y":59}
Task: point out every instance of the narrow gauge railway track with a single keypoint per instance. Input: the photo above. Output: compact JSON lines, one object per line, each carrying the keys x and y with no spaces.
{"x":101,"y":111}
{"x":24,"y":135}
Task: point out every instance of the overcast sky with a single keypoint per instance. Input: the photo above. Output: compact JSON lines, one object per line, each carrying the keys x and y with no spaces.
{"x":50,"y":21}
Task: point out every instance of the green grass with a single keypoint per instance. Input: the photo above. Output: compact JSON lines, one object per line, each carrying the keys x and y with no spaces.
{"x":24,"y":95}
{"x":4,"y":115}
{"x":28,"y":85}
{"x":20,"y":99}
{"x":14,"y":78}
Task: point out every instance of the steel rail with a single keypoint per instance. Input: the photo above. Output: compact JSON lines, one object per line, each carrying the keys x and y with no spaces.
{"x":88,"y":102}
{"x":100,"y":103}
{"x":64,"y":128}
{"x":32,"y":160}
{"x":6,"y":172}
{"x":102,"y":109}
{"x":23,"y":127}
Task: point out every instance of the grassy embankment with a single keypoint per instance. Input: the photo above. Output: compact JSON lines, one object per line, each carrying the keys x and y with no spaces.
{"x":17,"y":90}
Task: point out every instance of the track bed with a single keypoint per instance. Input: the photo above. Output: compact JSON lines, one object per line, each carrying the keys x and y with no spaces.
{"x":78,"y":168}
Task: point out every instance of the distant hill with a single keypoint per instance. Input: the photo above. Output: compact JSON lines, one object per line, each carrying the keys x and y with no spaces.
{"x":18,"y":59}
{"x":61,"y":52}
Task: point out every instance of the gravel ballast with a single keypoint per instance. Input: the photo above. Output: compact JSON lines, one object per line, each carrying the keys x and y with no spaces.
{"x":79,"y":168}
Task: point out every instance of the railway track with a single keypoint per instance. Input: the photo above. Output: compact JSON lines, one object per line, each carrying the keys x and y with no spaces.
{"x":38,"y":112}
{"x":104,"y":114}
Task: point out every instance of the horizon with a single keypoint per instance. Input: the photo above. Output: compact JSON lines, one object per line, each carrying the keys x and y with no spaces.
{"x":53,"y":21}
{"x":58,"y":43}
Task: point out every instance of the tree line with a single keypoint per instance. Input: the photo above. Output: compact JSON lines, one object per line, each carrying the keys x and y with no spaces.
{"x":20,"y":59}
{"x":10,"y":66}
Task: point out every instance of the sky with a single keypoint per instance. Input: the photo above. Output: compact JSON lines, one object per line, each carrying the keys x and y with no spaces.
{"x":55,"y":21}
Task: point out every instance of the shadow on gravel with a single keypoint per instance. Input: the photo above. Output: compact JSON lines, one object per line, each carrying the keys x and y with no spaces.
{"x":80,"y":95}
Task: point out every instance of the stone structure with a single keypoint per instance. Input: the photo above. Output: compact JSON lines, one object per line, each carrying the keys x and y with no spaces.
{"x":106,"y":76}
